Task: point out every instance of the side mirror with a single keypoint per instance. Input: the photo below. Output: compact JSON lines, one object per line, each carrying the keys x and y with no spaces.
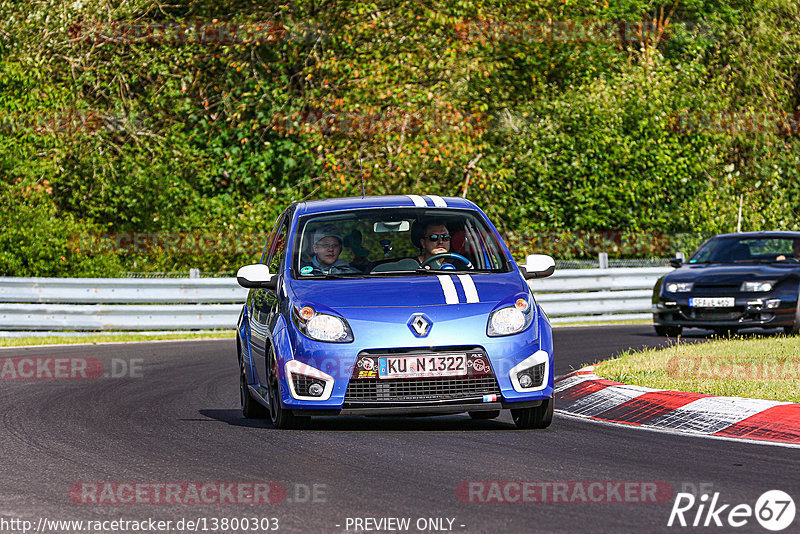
{"x":676,"y":262}
{"x":538,"y":266}
{"x":255,"y":276}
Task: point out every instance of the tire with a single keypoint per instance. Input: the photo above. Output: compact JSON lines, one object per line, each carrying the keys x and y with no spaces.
{"x":251,"y":408}
{"x":485,"y":415}
{"x":281,"y":417}
{"x":669,"y":331}
{"x":537,"y":417}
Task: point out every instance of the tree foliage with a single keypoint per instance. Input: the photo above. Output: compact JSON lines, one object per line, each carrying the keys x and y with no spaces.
{"x":552,"y":115}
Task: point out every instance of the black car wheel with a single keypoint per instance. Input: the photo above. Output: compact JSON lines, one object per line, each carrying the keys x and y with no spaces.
{"x":250,"y":407}
{"x":669,"y":331}
{"x":538,"y":417}
{"x":485,"y":415}
{"x":280,"y":416}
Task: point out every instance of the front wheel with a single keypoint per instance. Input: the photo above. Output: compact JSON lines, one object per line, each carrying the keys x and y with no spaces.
{"x":538,"y":417}
{"x":669,"y":331}
{"x":251,"y":409}
{"x":280,"y":416}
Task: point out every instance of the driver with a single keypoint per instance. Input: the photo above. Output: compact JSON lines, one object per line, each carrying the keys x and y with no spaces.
{"x":795,"y":251}
{"x":435,"y":240}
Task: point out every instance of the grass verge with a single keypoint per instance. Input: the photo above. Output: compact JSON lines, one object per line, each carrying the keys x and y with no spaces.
{"x":109,"y":338}
{"x":602,"y":323}
{"x":763,"y":368}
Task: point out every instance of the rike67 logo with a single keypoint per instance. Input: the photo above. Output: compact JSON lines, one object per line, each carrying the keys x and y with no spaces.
{"x":774,"y":510}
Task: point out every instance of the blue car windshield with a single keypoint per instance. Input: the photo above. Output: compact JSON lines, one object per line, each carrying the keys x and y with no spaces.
{"x":748,"y":250}
{"x":395,"y":241}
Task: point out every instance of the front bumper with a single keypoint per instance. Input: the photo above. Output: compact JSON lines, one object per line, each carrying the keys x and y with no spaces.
{"x":410,"y":395}
{"x":747,"y":312}
{"x":439,"y":408}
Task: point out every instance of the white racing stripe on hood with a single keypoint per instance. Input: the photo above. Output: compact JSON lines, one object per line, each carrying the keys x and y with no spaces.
{"x":418,"y":201}
{"x":438,"y":201}
{"x":449,"y":288}
{"x":469,"y":288}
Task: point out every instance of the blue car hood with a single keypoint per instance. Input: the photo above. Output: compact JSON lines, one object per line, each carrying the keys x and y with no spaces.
{"x":407,"y":291}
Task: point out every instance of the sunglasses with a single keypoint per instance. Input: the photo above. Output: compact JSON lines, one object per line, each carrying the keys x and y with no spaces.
{"x":437,"y":237}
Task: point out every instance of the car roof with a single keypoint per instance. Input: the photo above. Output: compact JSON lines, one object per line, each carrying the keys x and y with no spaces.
{"x":388,"y":201}
{"x":772,"y":233}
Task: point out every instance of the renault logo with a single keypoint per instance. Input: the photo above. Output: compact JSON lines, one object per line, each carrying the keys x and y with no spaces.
{"x":419,"y":324}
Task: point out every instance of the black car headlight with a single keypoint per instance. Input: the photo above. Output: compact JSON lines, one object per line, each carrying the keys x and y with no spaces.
{"x":678,"y":287}
{"x":757,"y":286}
{"x":510,"y":320}
{"x":322,"y":326}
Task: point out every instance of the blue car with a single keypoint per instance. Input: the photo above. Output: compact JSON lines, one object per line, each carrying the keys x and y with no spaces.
{"x":392,"y":305}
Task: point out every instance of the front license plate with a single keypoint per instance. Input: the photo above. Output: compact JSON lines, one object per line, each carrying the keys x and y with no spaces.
{"x":711,"y":302}
{"x":422,"y":366}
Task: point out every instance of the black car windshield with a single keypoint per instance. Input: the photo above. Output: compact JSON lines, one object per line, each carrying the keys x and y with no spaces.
{"x":749,"y":249}
{"x":395,"y":241}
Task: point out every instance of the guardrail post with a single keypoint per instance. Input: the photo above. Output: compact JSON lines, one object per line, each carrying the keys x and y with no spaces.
{"x":602,"y":259}
{"x":680,"y":255}
{"x":194,"y":273}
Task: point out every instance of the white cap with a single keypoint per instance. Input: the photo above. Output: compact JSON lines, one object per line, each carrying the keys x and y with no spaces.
{"x":328,"y":230}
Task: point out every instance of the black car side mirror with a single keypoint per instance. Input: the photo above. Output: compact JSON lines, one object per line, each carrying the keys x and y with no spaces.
{"x":676,"y":262}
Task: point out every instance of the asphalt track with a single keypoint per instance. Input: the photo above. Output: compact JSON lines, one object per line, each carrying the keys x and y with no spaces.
{"x":177,"y":419}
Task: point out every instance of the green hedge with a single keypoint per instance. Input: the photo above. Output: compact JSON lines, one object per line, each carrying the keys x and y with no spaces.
{"x":558,"y":134}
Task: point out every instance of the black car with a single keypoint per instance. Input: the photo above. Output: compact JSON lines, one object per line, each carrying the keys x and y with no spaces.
{"x":732,"y":281}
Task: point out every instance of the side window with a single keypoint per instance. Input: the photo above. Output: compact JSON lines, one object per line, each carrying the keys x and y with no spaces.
{"x":271,"y":238}
{"x":277,"y":249}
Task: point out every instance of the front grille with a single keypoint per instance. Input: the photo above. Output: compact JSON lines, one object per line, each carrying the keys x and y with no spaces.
{"x":302,"y":383}
{"x":711,"y":315}
{"x":713,"y":285}
{"x":537,"y":374}
{"x":426,"y":389}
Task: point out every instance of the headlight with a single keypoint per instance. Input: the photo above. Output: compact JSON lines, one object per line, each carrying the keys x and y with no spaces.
{"x":679,"y":287}
{"x":511,"y":320}
{"x":321,"y":326}
{"x":755,"y":287}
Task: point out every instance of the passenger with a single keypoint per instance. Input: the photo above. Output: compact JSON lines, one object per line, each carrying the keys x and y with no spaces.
{"x":327,"y":248}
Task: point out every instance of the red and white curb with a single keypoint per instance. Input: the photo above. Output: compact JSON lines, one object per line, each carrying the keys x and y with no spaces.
{"x":585,"y":394}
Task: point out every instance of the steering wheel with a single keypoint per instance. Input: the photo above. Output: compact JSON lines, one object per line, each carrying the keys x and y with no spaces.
{"x":459,"y":257}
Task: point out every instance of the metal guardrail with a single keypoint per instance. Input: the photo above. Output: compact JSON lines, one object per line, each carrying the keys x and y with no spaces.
{"x":40,"y":304}
{"x":573,"y":295}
